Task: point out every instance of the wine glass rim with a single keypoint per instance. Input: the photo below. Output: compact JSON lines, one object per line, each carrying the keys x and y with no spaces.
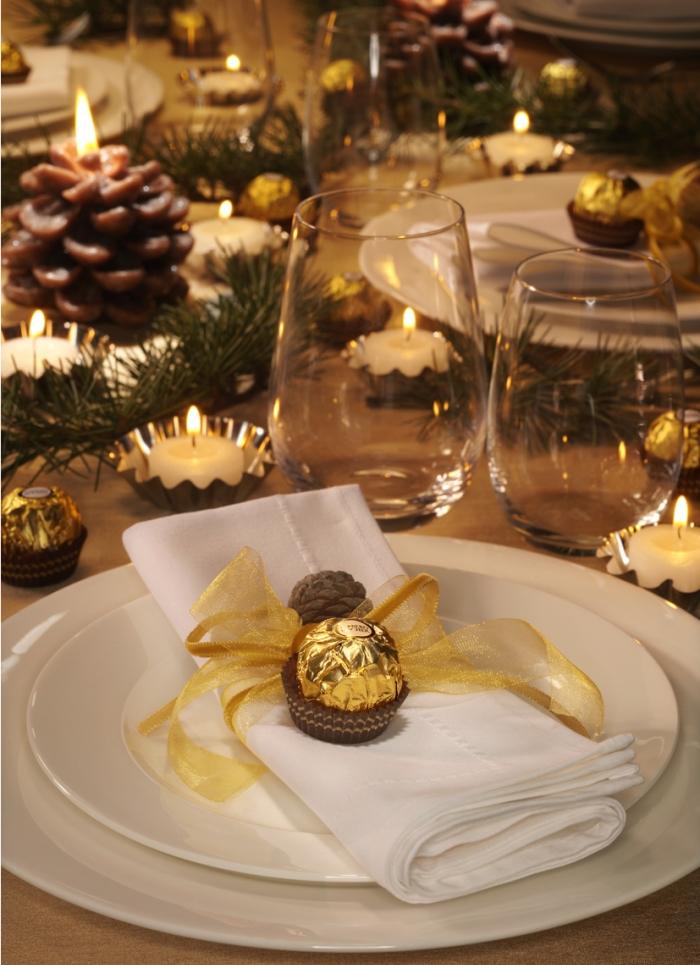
{"x":639,"y":256}
{"x":419,"y":193}
{"x":329,"y":22}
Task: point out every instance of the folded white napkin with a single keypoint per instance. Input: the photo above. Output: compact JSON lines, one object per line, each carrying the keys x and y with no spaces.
{"x":460,"y":793}
{"x":48,"y":86}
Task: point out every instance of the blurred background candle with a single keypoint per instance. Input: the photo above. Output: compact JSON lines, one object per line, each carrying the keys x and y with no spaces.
{"x":667,"y":552}
{"x":246,"y":235}
{"x":233,"y":85}
{"x":195,"y":457}
{"x":36,"y":352}
{"x":519,"y":148}
{"x":408,"y":350}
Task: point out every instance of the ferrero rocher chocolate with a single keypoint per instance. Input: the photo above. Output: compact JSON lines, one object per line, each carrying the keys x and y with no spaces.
{"x":355,"y":308}
{"x":663,"y":439}
{"x":342,"y":76}
{"x":349,"y":664}
{"x":600,"y":194}
{"x":269,"y":197}
{"x":15,"y":69}
{"x":563,"y":78}
{"x":42,"y":535}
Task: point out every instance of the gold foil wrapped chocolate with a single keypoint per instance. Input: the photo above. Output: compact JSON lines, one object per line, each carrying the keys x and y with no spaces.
{"x":563,"y":78}
{"x":269,"y":197}
{"x":355,"y":308}
{"x":15,"y":69}
{"x":665,"y":433}
{"x":38,"y":518}
{"x":349,"y":664}
{"x":599,"y":195}
{"x":342,"y":76}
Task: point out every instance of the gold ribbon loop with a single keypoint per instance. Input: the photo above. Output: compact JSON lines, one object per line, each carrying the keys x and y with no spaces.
{"x":252,"y":634}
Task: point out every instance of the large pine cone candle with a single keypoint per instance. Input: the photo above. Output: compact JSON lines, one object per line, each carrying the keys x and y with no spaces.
{"x":473,"y":34}
{"x":98,"y":239}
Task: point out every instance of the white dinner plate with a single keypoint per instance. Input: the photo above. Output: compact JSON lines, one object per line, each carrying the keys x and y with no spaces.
{"x":85,"y":73}
{"x":112,"y":116}
{"x":536,"y":201}
{"x":57,"y":847}
{"x":82,"y":733}
{"x":594,"y":30}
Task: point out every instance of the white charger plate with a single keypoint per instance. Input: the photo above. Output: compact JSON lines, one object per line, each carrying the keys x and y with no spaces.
{"x":55,"y":846}
{"x":84,"y":735}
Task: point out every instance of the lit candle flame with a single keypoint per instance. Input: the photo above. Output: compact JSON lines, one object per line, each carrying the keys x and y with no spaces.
{"x":85,"y":134}
{"x":233,"y":62}
{"x":521,"y":122}
{"x":680,"y":515}
{"x":622,"y":452}
{"x":37,"y":324}
{"x":409,"y":323}
{"x":193,"y":423}
{"x":225,"y":209}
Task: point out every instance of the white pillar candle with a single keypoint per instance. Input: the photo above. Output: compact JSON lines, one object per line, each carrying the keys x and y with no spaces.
{"x":36,"y":352}
{"x":519,"y":148}
{"x":667,"y":552}
{"x":199,"y":459}
{"x":246,"y":235}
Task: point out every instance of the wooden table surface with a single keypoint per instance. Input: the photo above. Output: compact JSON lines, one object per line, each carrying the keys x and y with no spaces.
{"x":42,"y":930}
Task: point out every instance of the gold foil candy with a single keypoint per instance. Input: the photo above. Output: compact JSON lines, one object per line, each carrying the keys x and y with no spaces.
{"x":599,"y":195}
{"x":563,"y":78}
{"x":664,"y":434}
{"x":38,"y":518}
{"x":342,"y":76}
{"x":14,"y":67}
{"x":269,"y":197}
{"x":349,"y":664}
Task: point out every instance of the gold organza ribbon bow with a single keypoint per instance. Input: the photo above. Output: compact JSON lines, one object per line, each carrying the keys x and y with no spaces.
{"x":658,"y":206}
{"x":251,"y":635}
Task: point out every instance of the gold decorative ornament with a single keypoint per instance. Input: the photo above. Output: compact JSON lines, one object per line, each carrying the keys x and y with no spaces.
{"x":355,"y":308}
{"x":349,"y":664}
{"x":666,"y":434}
{"x":600,"y":195}
{"x":269,"y":197}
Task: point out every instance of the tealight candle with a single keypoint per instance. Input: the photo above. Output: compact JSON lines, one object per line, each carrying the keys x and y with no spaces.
{"x":520,"y":149}
{"x":230,"y":86}
{"x":198,"y":458}
{"x":667,"y":552}
{"x":33,"y":354}
{"x":408,"y":350}
{"x":246,"y":235}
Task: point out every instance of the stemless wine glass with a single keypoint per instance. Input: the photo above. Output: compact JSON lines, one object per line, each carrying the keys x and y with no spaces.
{"x":588,"y":355}
{"x":371,"y":114}
{"x":378,"y":375}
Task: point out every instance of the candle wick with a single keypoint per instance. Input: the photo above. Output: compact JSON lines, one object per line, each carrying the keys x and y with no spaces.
{"x":194,"y":441}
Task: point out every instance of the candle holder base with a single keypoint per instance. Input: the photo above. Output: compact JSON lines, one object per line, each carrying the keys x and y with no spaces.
{"x":129,"y":457}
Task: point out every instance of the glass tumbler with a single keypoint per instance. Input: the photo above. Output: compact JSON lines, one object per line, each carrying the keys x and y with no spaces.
{"x":378,"y":375}
{"x":588,"y":355}
{"x":371,"y":114}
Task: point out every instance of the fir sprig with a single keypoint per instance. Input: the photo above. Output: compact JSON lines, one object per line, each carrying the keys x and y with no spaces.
{"x":206,"y":348}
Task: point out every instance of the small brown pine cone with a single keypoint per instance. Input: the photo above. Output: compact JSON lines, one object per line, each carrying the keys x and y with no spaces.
{"x":330,"y":593}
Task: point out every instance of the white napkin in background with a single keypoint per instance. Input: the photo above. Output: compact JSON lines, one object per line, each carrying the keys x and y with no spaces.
{"x":460,"y":793}
{"x":48,"y":87}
